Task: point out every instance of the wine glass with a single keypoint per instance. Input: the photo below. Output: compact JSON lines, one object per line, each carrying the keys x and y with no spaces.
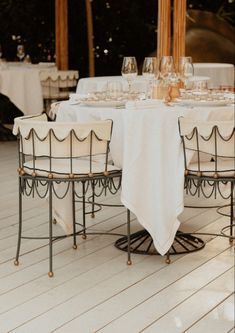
{"x":183,"y":61}
{"x":186,"y":69}
{"x":166,"y":66}
{"x":149,"y":72}
{"x":20,"y":52}
{"x":129,"y":69}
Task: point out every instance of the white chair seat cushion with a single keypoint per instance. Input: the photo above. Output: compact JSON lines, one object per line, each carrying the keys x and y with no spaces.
{"x":61,"y":167}
{"x":225,"y":168}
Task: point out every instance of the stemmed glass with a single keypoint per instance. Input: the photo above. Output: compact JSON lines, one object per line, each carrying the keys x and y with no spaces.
{"x":149,"y":69}
{"x":169,"y":78}
{"x":166,"y":67}
{"x":129,"y":69}
{"x":183,"y":61}
{"x":20,"y":52}
{"x":149,"y":72}
{"x":186,"y":69}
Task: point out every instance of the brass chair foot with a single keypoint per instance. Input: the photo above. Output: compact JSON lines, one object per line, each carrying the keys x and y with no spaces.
{"x":168,"y":261}
{"x":92,"y":215}
{"x":83,"y":236}
{"x":54,"y":221}
{"x":16,"y":263}
{"x":50,"y":274}
{"x":75,"y":247}
{"x":129,"y":262}
{"x":231,"y":240}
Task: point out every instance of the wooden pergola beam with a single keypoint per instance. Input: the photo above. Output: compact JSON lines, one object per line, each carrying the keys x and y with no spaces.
{"x":164,"y":28}
{"x":61,"y":28}
{"x":90,"y":38}
{"x":179,"y":26}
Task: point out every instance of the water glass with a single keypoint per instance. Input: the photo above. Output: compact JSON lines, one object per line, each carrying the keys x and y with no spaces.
{"x":149,"y":72}
{"x":200,"y":86}
{"x":114,"y":90}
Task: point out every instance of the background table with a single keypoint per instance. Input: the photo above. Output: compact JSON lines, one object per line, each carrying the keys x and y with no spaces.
{"x":219,"y":73}
{"x":21,"y":83}
{"x":99,"y":83}
{"x":146,"y":143}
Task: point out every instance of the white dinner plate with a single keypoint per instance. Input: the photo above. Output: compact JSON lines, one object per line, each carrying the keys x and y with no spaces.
{"x":190,"y":102}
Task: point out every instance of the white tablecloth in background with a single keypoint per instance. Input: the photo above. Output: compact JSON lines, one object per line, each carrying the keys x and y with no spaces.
{"x":21,"y":83}
{"x":219,"y":73}
{"x":99,"y":83}
{"x":146,"y":143}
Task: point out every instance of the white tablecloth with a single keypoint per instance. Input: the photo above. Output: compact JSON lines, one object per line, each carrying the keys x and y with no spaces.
{"x":99,"y":83}
{"x":21,"y":83}
{"x":146,"y":143}
{"x":219,"y":73}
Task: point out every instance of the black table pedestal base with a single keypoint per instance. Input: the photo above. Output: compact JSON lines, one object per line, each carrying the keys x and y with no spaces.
{"x":142,"y":243}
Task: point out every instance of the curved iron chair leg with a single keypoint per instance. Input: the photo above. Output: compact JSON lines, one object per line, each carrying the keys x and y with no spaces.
{"x":231,"y":215}
{"x":93,"y":200}
{"x":84,"y":210}
{"x":129,"y":262}
{"x":74,"y":218}
{"x":50,"y":273}
{"x":168,"y":260}
{"x":16,"y":262}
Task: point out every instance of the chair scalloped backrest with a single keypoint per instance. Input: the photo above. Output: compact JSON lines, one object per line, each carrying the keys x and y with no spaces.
{"x":39,"y":138}
{"x":214,"y":138}
{"x":58,"y":84}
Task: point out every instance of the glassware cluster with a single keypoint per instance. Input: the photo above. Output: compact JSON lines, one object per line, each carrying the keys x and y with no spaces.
{"x":164,"y":78}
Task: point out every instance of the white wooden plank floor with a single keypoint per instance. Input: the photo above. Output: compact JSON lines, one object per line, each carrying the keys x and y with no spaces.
{"x":93,"y":289}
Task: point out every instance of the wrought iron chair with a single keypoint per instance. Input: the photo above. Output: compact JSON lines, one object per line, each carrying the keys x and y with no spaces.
{"x":57,"y":85}
{"x":72,"y":154}
{"x":208,"y":176}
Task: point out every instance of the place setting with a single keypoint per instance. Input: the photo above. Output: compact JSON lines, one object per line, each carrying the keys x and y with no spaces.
{"x":206,"y":98}
{"x":163,"y":81}
{"x":116,"y":92}
{"x":182,"y":88}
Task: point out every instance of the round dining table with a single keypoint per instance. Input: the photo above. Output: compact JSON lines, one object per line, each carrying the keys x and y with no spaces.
{"x":21,"y":83}
{"x":147,"y":146}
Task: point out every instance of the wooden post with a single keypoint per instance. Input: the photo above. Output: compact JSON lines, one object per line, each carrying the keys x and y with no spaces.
{"x":164,"y":28}
{"x":61,"y":12}
{"x":90,"y":37}
{"x":179,"y":30}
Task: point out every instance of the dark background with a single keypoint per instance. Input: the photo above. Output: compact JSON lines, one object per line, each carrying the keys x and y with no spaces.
{"x":121,"y":27}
